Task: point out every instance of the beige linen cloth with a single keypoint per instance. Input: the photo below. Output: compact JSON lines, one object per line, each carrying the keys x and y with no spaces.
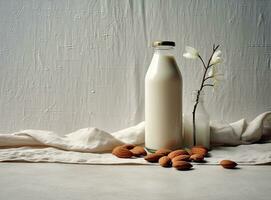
{"x":93,"y":146}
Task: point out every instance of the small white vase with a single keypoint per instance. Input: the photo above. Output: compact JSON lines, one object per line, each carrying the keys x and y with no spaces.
{"x":202,"y":122}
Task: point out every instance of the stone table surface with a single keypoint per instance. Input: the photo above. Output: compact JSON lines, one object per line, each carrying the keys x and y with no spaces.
{"x":26,"y":181}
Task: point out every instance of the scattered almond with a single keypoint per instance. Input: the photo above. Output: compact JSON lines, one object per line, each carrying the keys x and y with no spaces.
{"x":203,"y":147}
{"x":189,"y":151}
{"x":228,"y":164}
{"x":199,"y":150}
{"x":181,"y":158}
{"x":164,"y":151}
{"x":153,"y":158}
{"x":182,"y":165}
{"x":138,"y":151}
{"x":122,"y":152}
{"x":177,"y":153}
{"x":128,"y":146}
{"x":165,"y":161}
{"x":197,"y":157}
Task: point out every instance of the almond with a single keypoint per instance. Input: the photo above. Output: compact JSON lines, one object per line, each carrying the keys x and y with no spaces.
{"x":199,"y":150}
{"x":181,"y":158}
{"x":138,"y":151}
{"x":122,"y":152}
{"x":164,"y":151}
{"x":197,"y":157}
{"x":189,"y":151}
{"x":128,"y":146}
{"x":203,"y":147}
{"x":182,"y":165}
{"x":165,"y":161}
{"x":177,"y":153}
{"x":153,"y":158}
{"x":228,"y":164}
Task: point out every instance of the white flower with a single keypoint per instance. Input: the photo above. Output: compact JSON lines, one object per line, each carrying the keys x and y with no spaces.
{"x":216,"y":58}
{"x":191,"y":53}
{"x":216,"y":77}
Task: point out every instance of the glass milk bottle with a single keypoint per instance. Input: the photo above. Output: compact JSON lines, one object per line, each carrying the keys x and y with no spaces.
{"x":163,"y":100}
{"x":202,"y":123}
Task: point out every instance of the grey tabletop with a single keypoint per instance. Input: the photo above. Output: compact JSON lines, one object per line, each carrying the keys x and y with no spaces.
{"x":69,"y":181}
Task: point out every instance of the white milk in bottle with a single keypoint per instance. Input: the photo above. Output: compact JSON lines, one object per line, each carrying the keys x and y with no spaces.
{"x":163,"y":100}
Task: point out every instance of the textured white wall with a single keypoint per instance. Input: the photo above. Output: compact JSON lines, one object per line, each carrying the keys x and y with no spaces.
{"x":71,"y":64}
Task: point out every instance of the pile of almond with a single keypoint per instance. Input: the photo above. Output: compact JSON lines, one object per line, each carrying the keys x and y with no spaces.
{"x":180,"y":159}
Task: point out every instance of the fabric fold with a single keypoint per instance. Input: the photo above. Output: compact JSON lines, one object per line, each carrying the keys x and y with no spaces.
{"x":47,"y":146}
{"x":240,"y":132}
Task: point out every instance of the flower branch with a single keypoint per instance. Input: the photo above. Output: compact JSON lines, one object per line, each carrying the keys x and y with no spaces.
{"x":202,"y":61}
{"x":214,"y":59}
{"x":205,"y":85}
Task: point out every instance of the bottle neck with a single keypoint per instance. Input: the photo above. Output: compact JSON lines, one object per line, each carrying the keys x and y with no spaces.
{"x":196,"y":95}
{"x":164,"y":50}
{"x":201,"y":110}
